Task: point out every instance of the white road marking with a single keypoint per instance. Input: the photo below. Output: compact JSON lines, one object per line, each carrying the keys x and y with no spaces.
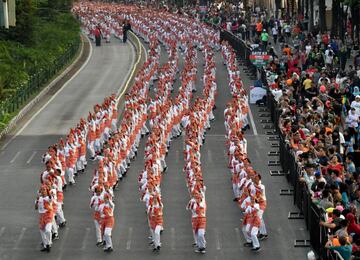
{"x":87,"y":232}
{"x":2,"y":230}
{"x":173,"y":238}
{"x":128,"y":75}
{"x":51,"y":99}
{"x":128,"y":243}
{"x":62,"y":241}
{"x":252,"y":122}
{"x":31,"y":157}
{"x":217,"y":239}
{"x":14,"y":158}
{"x":237,"y":231}
{"x":209,"y":154}
{"x":177,"y":156}
{"x":21,"y":236}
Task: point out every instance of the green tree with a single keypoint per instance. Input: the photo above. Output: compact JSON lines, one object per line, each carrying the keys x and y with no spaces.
{"x":25,"y":20}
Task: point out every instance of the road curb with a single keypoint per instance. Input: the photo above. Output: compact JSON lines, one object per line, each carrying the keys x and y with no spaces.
{"x":26,"y":109}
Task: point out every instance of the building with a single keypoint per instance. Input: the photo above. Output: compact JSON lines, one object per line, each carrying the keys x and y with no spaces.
{"x":7,"y":13}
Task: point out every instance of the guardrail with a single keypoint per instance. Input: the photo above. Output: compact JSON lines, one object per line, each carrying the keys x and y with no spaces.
{"x":294,"y":171}
{"x":36,"y":82}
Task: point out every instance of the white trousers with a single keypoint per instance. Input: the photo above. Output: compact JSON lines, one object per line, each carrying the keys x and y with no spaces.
{"x":250,"y":234}
{"x":54,"y":226}
{"x":236,"y":190}
{"x":91,"y":148}
{"x":200,"y":238}
{"x":98,"y":231}
{"x":97,"y":145}
{"x":262,"y":224}
{"x":81,"y":162}
{"x":156,"y":236}
{"x":70,"y":174}
{"x":113,"y":125}
{"x":60,"y":213}
{"x":107,"y":237}
{"x":46,"y":235}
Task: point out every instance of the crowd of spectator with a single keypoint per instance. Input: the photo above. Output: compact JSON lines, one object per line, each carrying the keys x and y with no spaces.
{"x":317,"y":92}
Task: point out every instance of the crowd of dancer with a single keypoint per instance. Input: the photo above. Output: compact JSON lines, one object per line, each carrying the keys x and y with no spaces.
{"x":167,"y":117}
{"x":248,"y":190}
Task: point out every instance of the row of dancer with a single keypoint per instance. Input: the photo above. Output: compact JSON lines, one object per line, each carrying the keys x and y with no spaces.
{"x":165,"y":115}
{"x":248,"y":190}
{"x":197,"y":122}
{"x":118,"y":152}
{"x":63,"y":162}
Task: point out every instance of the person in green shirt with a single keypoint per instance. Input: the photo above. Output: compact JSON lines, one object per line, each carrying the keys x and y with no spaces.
{"x":344,"y":249}
{"x":264,"y":39}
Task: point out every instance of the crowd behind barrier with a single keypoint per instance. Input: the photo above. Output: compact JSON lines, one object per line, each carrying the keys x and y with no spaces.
{"x":294,"y":168}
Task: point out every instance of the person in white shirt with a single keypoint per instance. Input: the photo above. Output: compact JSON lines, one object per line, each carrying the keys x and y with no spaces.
{"x":356,"y":104}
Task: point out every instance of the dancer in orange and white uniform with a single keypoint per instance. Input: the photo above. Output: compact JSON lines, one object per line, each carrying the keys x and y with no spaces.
{"x":106,"y":210}
{"x":44,"y":206}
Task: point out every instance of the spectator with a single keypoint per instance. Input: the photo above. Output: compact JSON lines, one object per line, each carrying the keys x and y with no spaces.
{"x":344,"y":249}
{"x":264,"y":39}
{"x":326,"y":200}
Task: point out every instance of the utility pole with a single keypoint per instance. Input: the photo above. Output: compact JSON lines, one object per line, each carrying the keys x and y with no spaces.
{"x":5,"y":13}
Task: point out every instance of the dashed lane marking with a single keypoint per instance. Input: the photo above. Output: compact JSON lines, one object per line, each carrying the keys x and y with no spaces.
{"x":14,"y":158}
{"x":31,"y":157}
{"x":173,"y":238}
{"x":209,"y":154}
{"x":2,"y":230}
{"x":87,"y":232}
{"x":128,"y":243}
{"x":21,"y":236}
{"x":217,"y":239}
{"x":62,"y":241}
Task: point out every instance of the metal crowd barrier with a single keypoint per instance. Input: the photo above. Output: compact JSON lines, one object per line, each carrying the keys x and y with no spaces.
{"x":24,"y":92}
{"x":302,"y":195}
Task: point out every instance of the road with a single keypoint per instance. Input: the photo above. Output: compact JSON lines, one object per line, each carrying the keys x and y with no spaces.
{"x":19,"y":237}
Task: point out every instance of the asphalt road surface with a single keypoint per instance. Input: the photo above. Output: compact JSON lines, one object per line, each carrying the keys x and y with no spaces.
{"x":19,"y":179}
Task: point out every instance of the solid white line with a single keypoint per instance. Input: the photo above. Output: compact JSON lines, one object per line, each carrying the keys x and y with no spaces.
{"x":128,"y":78}
{"x":252,"y":122}
{"x":21,"y":236}
{"x":62,"y":241}
{"x":217,"y":238}
{"x":173,"y":238}
{"x":31,"y":157}
{"x":128,"y":243}
{"x":14,"y":158}
{"x":2,"y":230}
{"x":52,"y":98}
{"x":87,"y":232}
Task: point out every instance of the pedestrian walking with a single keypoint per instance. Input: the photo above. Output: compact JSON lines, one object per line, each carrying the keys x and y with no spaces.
{"x":126,"y":28}
{"x":97,"y":34}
